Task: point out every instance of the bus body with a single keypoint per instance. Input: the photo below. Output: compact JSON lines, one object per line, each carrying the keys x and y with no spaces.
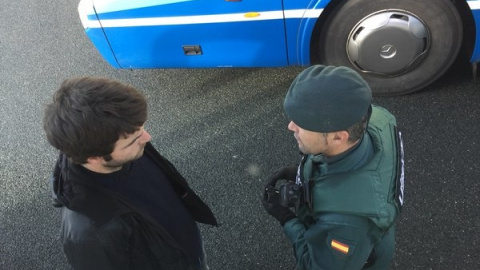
{"x":389,"y":42}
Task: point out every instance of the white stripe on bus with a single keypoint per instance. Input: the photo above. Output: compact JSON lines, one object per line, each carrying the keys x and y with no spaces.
{"x":218,"y":18}
{"x":474,"y":4}
{"x":199,"y":19}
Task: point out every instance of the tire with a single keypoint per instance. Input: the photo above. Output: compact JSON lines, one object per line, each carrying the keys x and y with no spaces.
{"x":398,"y":46}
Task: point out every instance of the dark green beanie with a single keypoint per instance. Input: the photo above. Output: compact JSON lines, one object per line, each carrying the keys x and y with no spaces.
{"x":327,"y":98}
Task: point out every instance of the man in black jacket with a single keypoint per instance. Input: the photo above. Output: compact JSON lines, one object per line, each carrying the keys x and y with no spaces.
{"x":124,"y":206}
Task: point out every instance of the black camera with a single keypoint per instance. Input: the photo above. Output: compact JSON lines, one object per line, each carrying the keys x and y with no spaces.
{"x":289,"y":194}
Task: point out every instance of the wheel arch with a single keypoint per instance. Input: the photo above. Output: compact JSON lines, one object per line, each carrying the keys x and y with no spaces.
{"x":469,"y":30}
{"x":315,"y":34}
{"x":468,"y":23}
{"x":305,"y":31}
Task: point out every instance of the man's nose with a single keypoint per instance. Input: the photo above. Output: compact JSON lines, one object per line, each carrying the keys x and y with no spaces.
{"x":292,"y":126}
{"x":145,"y":137}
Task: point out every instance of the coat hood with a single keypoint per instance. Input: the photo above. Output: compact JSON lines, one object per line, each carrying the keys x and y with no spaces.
{"x":78,"y":193}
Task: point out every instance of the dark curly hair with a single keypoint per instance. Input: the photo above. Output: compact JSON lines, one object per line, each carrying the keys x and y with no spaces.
{"x":357,"y":130}
{"x":88,"y":115}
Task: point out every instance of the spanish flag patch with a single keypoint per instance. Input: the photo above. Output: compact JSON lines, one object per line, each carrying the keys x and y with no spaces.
{"x":343,"y":248}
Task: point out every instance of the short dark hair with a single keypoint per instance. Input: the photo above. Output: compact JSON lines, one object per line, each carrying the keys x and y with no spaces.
{"x":88,"y":115}
{"x":357,"y":130}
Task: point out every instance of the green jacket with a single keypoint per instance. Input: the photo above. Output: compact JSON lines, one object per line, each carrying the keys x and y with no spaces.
{"x":355,"y":199}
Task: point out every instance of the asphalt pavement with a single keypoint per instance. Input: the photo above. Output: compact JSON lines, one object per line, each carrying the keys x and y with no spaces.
{"x":226,"y":132}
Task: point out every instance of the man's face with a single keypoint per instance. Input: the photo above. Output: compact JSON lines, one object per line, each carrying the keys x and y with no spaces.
{"x":310,"y":142}
{"x":128,"y":148}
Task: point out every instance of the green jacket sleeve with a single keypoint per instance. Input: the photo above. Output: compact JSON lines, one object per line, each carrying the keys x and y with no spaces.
{"x":334,"y":241}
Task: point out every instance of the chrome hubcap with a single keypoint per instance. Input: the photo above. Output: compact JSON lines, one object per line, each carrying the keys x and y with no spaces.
{"x":388,"y":43}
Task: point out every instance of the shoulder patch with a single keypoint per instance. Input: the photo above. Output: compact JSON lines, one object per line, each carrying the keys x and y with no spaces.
{"x":339,"y":246}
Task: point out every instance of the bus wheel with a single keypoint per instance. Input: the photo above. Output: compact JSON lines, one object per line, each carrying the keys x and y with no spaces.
{"x":398,"y":46}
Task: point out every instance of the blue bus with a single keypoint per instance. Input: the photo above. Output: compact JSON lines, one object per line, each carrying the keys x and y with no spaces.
{"x":398,"y":46}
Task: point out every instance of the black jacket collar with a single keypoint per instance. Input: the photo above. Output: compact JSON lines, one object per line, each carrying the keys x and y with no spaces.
{"x":73,"y":189}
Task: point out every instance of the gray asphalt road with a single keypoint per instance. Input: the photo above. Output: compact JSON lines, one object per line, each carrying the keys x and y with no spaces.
{"x":225,"y":130}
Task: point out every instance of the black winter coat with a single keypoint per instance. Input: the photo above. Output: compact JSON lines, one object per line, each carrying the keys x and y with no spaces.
{"x":102,"y":230}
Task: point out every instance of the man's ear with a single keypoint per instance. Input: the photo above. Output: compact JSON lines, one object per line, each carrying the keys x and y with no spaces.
{"x":341,"y":136}
{"x":95,"y":160}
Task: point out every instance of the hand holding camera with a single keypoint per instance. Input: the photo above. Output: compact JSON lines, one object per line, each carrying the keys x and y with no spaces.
{"x":278,"y":200}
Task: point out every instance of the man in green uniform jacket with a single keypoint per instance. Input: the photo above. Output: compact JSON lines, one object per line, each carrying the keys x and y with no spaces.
{"x":338,"y":207}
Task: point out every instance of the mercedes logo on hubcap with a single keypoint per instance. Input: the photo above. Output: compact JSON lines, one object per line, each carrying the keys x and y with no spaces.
{"x":388,"y":51}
